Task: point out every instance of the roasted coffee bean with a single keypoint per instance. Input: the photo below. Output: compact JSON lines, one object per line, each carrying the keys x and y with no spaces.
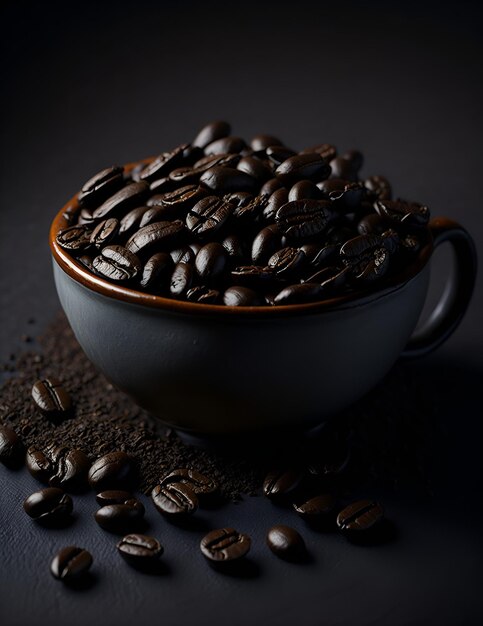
{"x":157,"y":213}
{"x":319,"y":510}
{"x":265,"y":244}
{"x":11,"y":447}
{"x":39,"y":465}
{"x":287,"y":261}
{"x":157,"y":271}
{"x":304,"y":190}
{"x":360,"y":518}
{"x":156,"y":234}
{"x":226,"y":180}
{"x":250,"y":212}
{"x":117,"y":263}
{"x":140,"y":551}
{"x":355,"y":157}
{"x":48,"y":505}
{"x":162,"y":165}
{"x":241,"y":296}
{"x":181,"y":280}
{"x":408,"y":213}
{"x":182,"y":255}
{"x":317,"y":256}
{"x":234,"y":246}
{"x":185,"y":176}
{"x":225,"y":145}
{"x":126,"y":198}
{"x":111,"y":471}
{"x":373,"y":224}
{"x":71,"y":468}
{"x":101,"y":186}
{"x":238,"y":199}
{"x":208,"y":216}
{"x":271,"y":186}
{"x":75,"y":239}
{"x":278,"y":199}
{"x":367,"y":257}
{"x":85,"y":217}
{"x":162,"y":185}
{"x":299,"y":294}
{"x":378,"y":188}
{"x":252,"y":275}
{"x":256,"y":168}
{"x":207,"y":162}
{"x":303,"y":219}
{"x":280,"y":483}
{"x":330,"y":278}
{"x":86,"y":261}
{"x":104,"y":232}
{"x":113,"y":496}
{"x":203,"y":295}
{"x":344,"y":194}
{"x":211,"y":261}
{"x":303,"y":166}
{"x":211,"y":132}
{"x":51,"y":398}
{"x":182,"y":199}
{"x":70,"y":564}
{"x":202,"y":485}
{"x":344,"y":168}
{"x":326,"y":150}
{"x":225,"y":545}
{"x":120,"y":518}
{"x":285,"y":542}
{"x":130,"y":222}
{"x":191,"y":153}
{"x":174,"y":499}
{"x":262,"y":142}
{"x":279,"y":154}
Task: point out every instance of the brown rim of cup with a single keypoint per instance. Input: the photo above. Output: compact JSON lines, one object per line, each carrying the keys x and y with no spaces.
{"x":80,"y":274}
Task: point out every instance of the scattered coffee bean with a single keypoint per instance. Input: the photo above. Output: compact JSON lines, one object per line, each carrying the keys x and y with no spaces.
{"x":51,"y":398}
{"x":113,"y":496}
{"x":174,"y":499}
{"x":39,"y":465}
{"x":70,"y":564}
{"x":285,"y":542}
{"x":71,"y":468}
{"x":112,"y":471}
{"x":11,"y":447}
{"x":360,"y":518}
{"x":225,"y":545}
{"x":120,"y":518}
{"x":201,"y":485}
{"x":280,"y":483}
{"x":48,"y":505}
{"x":140,"y":551}
{"x":319,"y":510}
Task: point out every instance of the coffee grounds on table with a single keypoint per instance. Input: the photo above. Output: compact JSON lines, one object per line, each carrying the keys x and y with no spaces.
{"x":388,"y":431}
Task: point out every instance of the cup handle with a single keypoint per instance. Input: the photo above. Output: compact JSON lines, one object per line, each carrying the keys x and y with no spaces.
{"x":454,"y":301}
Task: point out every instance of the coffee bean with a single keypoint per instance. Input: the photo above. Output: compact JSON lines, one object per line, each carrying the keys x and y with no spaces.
{"x":212,"y":160}
{"x":251,"y":212}
{"x":355,"y":157}
{"x":373,"y":224}
{"x":75,"y":239}
{"x":113,"y":496}
{"x":101,"y":186}
{"x":255,"y":276}
{"x":279,"y":154}
{"x":120,"y":518}
{"x":157,"y":270}
{"x":265,"y":244}
{"x":280,"y":483}
{"x":182,"y":255}
{"x":326,"y":150}
{"x":51,"y":398}
{"x":360,"y":517}
{"x":174,"y":499}
{"x":156,"y":213}
{"x":285,"y":542}
{"x":182,"y":199}
{"x":225,"y":145}
{"x":225,"y":545}
{"x":238,"y":199}
{"x":261,"y":142}
{"x":330,"y":278}
{"x":156,"y":234}
{"x":71,"y":468}
{"x":378,"y":188}
{"x":117,"y":263}
{"x":11,"y":447}
{"x":367,"y":257}
{"x":208,"y":216}
{"x":104,"y":232}
{"x":345,"y":195}
{"x":287,"y":261}
{"x":299,"y":294}
{"x":111,"y":471}
{"x":140,"y":550}
{"x":226,"y":180}
{"x":130,"y":222}
{"x":162,"y":185}
{"x":203,"y":294}
{"x":39,"y":465}
{"x":181,"y":280}
{"x":344,"y":168}
{"x":210,"y":262}
{"x":256,"y":168}
{"x":241,"y":296}
{"x":126,"y":198}
{"x":303,"y":219}
{"x":71,"y":563}
{"x":85,"y":217}
{"x":317,"y":256}
{"x":233,"y":244}
{"x":408,"y":213}
{"x":211,"y":132}
{"x":162,"y":165}
{"x":303,"y":166}
{"x":48,"y":505}
{"x":304,"y":190}
{"x":201,"y":485}
{"x":271,"y":186}
{"x":319,"y":510}
{"x":278,"y":199}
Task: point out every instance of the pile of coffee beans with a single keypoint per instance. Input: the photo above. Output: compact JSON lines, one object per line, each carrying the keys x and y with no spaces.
{"x":227,"y":222}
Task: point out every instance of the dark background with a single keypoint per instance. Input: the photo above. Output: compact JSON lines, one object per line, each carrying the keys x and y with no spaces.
{"x":86,"y":85}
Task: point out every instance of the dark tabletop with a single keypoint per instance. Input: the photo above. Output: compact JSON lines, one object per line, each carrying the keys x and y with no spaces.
{"x":86,"y":86}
